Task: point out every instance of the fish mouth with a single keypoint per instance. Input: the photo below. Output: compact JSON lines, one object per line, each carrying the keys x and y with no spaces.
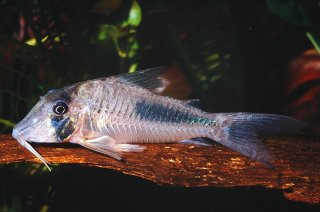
{"x":21,"y":134}
{"x":15,"y":133}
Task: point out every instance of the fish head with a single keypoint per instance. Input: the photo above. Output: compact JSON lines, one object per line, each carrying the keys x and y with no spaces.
{"x":53,"y":119}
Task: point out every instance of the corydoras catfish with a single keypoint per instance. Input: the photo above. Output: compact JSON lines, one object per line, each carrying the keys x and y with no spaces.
{"x":115,"y":114}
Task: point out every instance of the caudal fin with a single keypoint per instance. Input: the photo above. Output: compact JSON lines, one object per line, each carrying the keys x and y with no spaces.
{"x":241,"y":134}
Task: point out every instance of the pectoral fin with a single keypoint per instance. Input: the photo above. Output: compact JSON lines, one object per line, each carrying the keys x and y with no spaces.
{"x":108,"y":146}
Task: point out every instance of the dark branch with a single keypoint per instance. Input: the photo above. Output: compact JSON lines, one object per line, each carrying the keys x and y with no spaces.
{"x":297,"y":168}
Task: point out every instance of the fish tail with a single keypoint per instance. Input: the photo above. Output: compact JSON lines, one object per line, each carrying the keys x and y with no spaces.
{"x":240,"y":132}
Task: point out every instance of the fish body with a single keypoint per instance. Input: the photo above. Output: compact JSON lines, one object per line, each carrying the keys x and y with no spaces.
{"x":116,"y":114}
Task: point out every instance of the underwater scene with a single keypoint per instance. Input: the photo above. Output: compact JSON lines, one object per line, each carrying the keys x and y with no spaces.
{"x":159,"y":105}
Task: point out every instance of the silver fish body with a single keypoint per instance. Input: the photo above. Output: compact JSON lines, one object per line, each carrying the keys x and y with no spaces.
{"x":113,"y":115}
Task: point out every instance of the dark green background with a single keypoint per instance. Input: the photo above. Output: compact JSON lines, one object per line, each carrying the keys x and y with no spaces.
{"x":233,"y":53}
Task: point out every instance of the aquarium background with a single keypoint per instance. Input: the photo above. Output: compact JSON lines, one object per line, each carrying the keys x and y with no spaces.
{"x":253,"y":56}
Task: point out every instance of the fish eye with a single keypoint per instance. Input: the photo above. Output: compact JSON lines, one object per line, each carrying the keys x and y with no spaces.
{"x":60,"y":108}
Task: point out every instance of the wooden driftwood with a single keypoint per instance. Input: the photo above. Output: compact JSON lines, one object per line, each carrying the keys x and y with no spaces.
{"x":297,"y":168}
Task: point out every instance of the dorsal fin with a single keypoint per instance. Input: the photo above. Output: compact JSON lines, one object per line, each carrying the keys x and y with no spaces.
{"x":193,"y":102}
{"x":149,"y":79}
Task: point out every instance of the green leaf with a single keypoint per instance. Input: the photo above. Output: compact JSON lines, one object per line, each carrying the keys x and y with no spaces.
{"x":296,"y":11}
{"x":134,"y":18}
{"x":133,"y":68}
{"x":6,"y":122}
{"x":103,"y":33}
{"x":315,"y":40}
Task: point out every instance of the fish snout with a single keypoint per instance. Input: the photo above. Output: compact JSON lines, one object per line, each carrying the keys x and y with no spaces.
{"x":21,"y":130}
{"x":34,"y":130}
{"x":16,"y":132}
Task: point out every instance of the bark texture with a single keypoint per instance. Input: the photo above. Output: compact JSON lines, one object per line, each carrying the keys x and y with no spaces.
{"x":297,"y":167}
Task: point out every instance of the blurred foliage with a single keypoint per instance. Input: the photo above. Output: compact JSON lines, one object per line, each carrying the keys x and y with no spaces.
{"x":49,"y":44}
{"x":123,"y":35}
{"x":302,"y":13}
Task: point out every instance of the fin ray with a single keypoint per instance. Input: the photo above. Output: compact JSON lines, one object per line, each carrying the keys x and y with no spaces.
{"x":108,"y":146}
{"x":103,"y":145}
{"x":242,"y":133}
{"x":149,"y":79}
